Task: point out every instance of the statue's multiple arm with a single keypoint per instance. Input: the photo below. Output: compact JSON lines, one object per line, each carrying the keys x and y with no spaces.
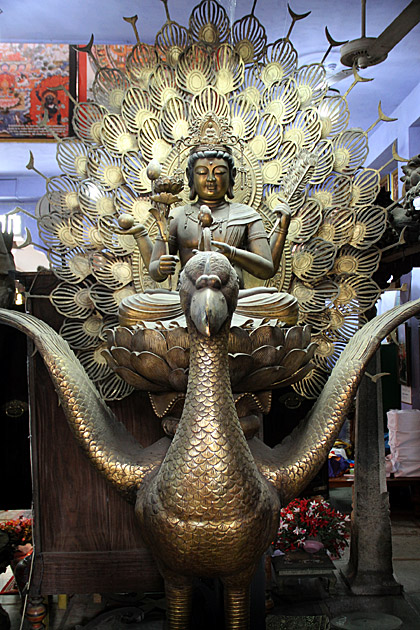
{"x":256,"y":261}
{"x":278,"y":237}
{"x":164,"y":255}
{"x":261,"y":259}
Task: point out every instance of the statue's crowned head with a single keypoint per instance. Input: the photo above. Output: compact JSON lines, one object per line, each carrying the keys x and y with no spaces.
{"x":211,"y":139}
{"x":209,"y":153}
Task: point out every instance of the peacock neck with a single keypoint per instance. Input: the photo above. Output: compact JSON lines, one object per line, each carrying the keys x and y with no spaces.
{"x":209,"y":392}
{"x":209,"y":455}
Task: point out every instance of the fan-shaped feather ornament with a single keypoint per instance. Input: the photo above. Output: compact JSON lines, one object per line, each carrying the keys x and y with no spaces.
{"x":194,"y":70}
{"x":310,"y":84}
{"x":281,"y":99}
{"x":72,"y":158}
{"x":94,"y":200}
{"x":140,"y":64}
{"x":243,"y":117}
{"x":72,"y":266}
{"x":249,"y":37}
{"x":229,"y":69}
{"x":72,"y":300}
{"x":334,"y":114}
{"x":62,"y":193}
{"x":109,"y":88}
{"x":87,"y":121}
{"x":209,"y":23}
{"x":171,"y":40}
{"x":365,"y":187}
{"x":115,"y":135}
{"x":280,"y":62}
{"x":305,"y":223}
{"x":136,"y":108}
{"x":291,"y":144}
{"x":337,"y":226}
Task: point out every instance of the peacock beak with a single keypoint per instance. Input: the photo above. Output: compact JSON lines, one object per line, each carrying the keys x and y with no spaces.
{"x":208,"y":310}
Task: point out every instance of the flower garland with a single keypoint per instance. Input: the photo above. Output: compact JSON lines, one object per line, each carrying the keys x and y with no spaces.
{"x":18,"y":530}
{"x":306,"y":519}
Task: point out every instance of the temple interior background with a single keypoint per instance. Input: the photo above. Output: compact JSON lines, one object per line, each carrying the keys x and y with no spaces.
{"x":396,"y":83}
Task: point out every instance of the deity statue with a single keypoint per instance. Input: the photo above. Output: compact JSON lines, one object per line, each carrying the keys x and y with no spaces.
{"x":236,"y":230}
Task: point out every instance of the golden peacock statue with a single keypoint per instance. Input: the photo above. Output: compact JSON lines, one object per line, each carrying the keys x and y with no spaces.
{"x":277,"y":196}
{"x":207,"y":502}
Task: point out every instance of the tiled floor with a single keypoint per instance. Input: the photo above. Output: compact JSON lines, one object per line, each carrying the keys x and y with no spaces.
{"x":304,"y":598}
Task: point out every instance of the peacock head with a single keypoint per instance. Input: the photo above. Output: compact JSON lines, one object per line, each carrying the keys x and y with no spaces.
{"x":208,"y":291}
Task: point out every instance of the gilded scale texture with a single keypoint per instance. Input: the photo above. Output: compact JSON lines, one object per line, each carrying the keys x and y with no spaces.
{"x":208,"y":511}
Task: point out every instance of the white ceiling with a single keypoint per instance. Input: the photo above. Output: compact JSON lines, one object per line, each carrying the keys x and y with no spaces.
{"x":74,"y":21}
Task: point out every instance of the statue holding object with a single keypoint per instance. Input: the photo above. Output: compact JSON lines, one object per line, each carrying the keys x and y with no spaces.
{"x":237,"y":231}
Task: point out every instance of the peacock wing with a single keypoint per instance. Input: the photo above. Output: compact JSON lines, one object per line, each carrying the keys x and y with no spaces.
{"x":290,"y":465}
{"x":105,"y":440}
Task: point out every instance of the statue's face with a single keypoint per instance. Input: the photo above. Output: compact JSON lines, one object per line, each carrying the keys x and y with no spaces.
{"x":211,"y":178}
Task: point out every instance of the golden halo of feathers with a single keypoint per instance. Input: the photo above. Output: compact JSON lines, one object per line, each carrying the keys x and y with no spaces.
{"x":281,"y":115}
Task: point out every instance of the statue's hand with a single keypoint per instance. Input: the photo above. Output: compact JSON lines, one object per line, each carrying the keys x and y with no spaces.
{"x":225,"y":249}
{"x":167,"y":264}
{"x":283,"y":213}
{"x":138,"y":228}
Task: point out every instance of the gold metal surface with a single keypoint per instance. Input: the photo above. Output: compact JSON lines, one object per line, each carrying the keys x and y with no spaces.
{"x":290,"y":142}
{"x":115,"y":135}
{"x":311,"y":85}
{"x":219,"y":527}
{"x":87,"y":120}
{"x":350,"y":151}
{"x":72,"y":300}
{"x":150,"y":106}
{"x":209,"y":23}
{"x":109,"y":87}
{"x":369,"y":226}
{"x":280,"y":62}
{"x":249,"y":37}
{"x":312,"y":260}
{"x":334,"y":114}
{"x":194,"y":70}
{"x":171,"y":40}
{"x":305,"y":223}
{"x":62,"y":193}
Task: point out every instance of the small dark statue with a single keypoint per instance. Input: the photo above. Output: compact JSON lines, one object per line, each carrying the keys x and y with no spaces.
{"x":411,"y":180}
{"x":7,"y":270}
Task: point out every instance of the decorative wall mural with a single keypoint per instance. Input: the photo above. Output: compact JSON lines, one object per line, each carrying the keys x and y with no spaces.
{"x":30,"y":78}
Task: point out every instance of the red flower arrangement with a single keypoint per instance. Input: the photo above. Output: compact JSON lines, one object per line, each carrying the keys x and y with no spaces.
{"x":312,"y":519}
{"x":19,"y":531}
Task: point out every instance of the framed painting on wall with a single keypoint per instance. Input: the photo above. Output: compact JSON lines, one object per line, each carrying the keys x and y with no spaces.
{"x":403,"y":354}
{"x":394,"y":185}
{"x":30,"y":79}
